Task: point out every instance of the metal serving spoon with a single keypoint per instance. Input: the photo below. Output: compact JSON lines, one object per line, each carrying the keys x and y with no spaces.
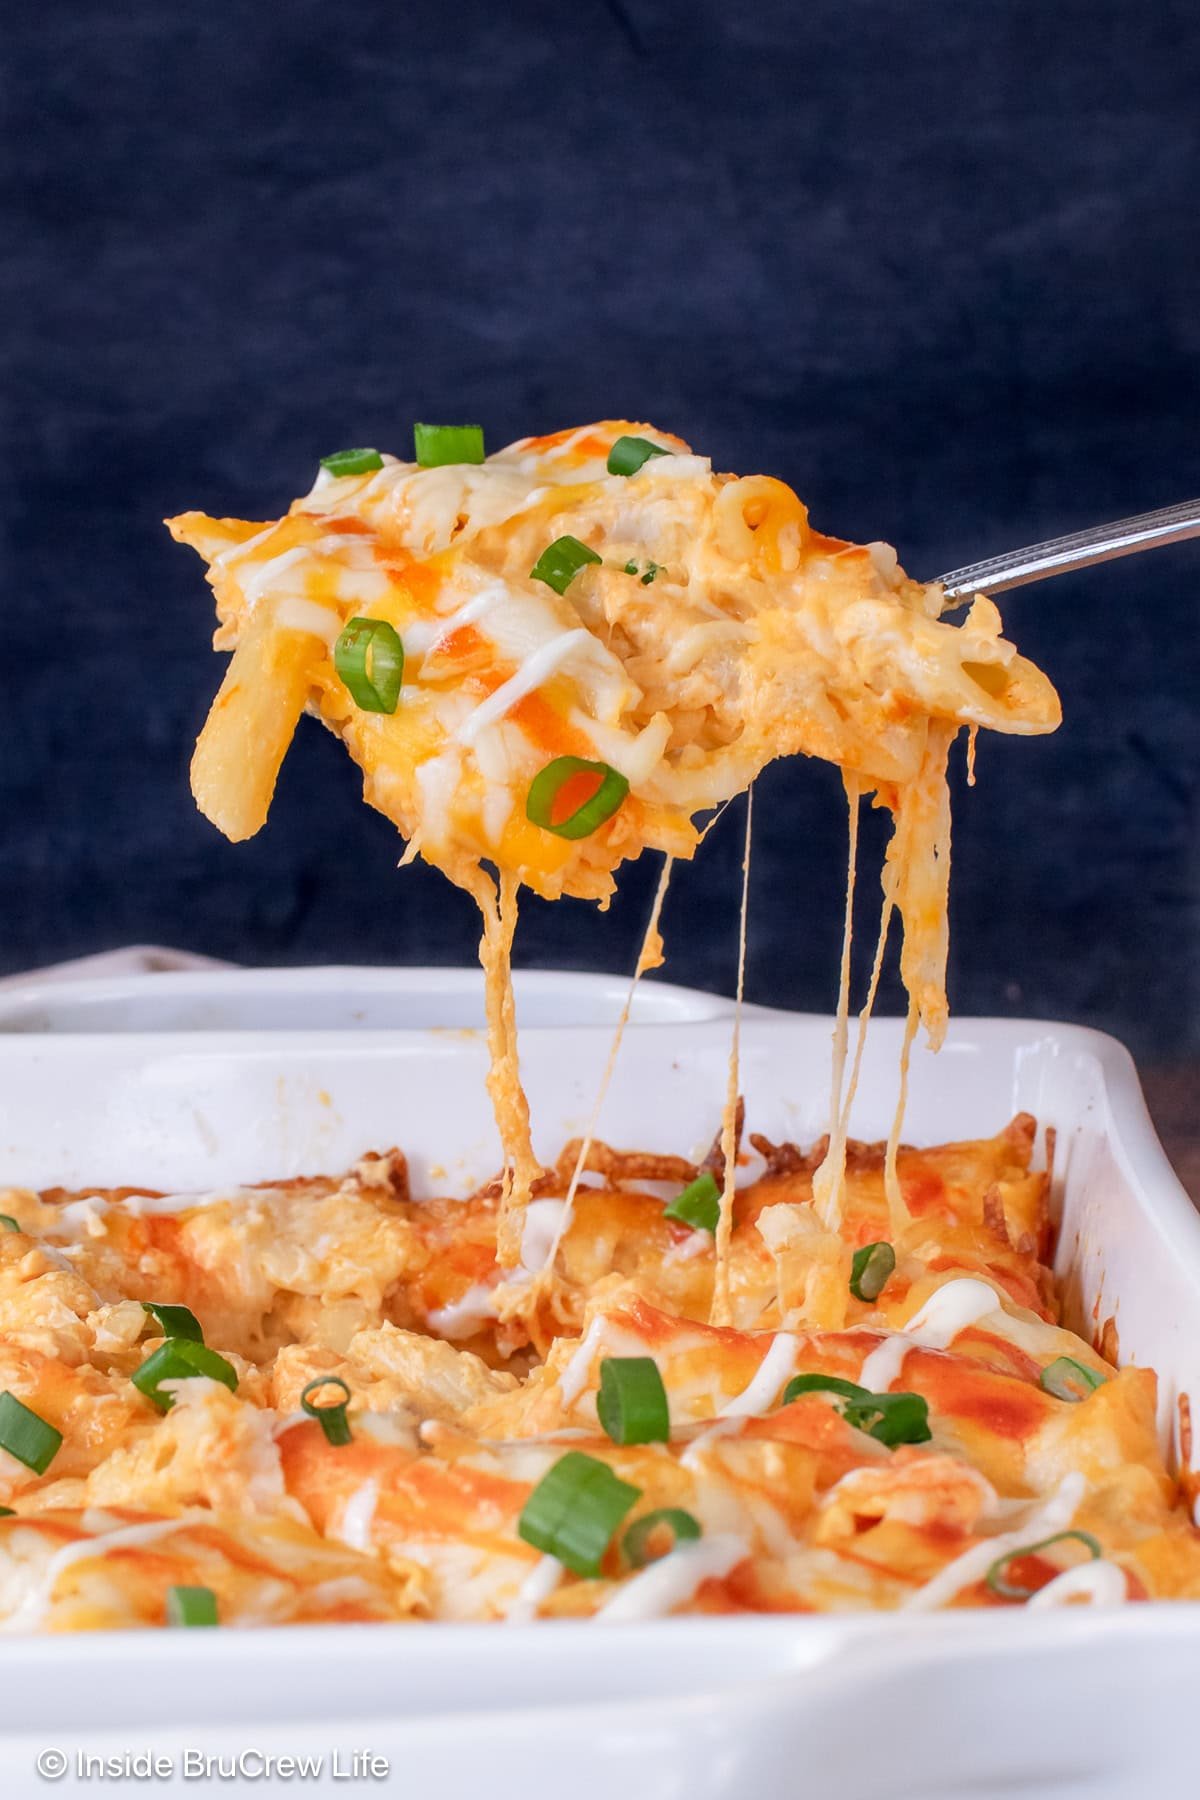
{"x":1102,"y":543}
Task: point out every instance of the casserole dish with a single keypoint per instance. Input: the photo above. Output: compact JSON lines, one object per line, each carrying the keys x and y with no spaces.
{"x":711,"y":1707}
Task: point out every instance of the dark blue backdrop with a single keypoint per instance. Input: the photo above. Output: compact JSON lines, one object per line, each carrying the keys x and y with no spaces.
{"x":935,"y":265}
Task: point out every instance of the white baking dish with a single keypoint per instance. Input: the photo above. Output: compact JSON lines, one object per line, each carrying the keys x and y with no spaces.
{"x":1074,"y":1702}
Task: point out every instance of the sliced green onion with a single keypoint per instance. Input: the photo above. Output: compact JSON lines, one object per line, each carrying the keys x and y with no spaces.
{"x":1064,"y":1377}
{"x":629,"y":453}
{"x":352,"y":462}
{"x":632,"y":1402}
{"x":889,"y":1418}
{"x":574,"y":1510}
{"x":553,"y":784}
{"x":651,"y":570}
{"x":8,"y":1512}
{"x":369,"y":657}
{"x":178,"y":1360}
{"x":561,"y":561}
{"x":636,"y":1542}
{"x":175,"y":1321}
{"x":27,"y":1436}
{"x":437,"y":445}
{"x":1009,"y":1590}
{"x":9,"y":1223}
{"x":332,"y":1415}
{"x":699,"y":1205}
{"x":820,"y":1384}
{"x":870,"y":1270}
{"x":191,"y":1606}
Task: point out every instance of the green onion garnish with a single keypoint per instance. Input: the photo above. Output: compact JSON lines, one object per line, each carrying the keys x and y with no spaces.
{"x":820,"y":1384}
{"x":178,"y":1360}
{"x":352,"y":462}
{"x":870,"y":1270}
{"x":636,"y":1542}
{"x":651,"y":570}
{"x":590,"y":791}
{"x":699,"y":1205}
{"x":1064,"y":1378}
{"x":890,"y":1418}
{"x":574,"y":1510}
{"x":8,"y":1512}
{"x":191,"y":1606}
{"x":9,"y":1223}
{"x":27,"y":1436}
{"x":331,"y":1416}
{"x":437,"y":445}
{"x":561,"y":561}
{"x":175,"y":1321}
{"x":1009,"y":1590}
{"x":629,"y":453}
{"x":632,"y":1402}
{"x":369,"y":657}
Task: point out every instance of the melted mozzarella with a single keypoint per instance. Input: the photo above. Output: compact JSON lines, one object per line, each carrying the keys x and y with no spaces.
{"x":297,"y":614}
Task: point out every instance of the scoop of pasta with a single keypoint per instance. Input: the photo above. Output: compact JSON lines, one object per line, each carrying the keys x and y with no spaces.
{"x":591,"y":658}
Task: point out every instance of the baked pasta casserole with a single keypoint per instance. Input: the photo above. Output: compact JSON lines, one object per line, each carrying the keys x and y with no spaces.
{"x":310,"y":1401}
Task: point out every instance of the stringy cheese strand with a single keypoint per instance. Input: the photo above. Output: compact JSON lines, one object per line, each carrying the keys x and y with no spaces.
{"x":827,"y":1182}
{"x":646,"y":960}
{"x":897,"y":1205}
{"x":509,"y":1102}
{"x":720,"y":1312}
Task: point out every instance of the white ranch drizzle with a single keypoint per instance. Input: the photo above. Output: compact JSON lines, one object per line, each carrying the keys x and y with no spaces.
{"x":422,"y":637}
{"x":265,"y":577}
{"x":533,"y":672}
{"x":30,"y":1613}
{"x":1054,"y":1516}
{"x":573,"y":1379}
{"x":668,"y":1583}
{"x":1102,"y":1582}
{"x":358,"y":1516}
{"x":537,"y":1586}
{"x":772,"y":1372}
{"x":602,"y":1334}
{"x":933,"y":1326}
{"x":463,"y":1317}
{"x":693,"y":1456}
{"x":540,"y":1232}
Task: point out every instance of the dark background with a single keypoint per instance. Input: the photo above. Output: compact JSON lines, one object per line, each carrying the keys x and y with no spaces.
{"x":938,"y":266}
